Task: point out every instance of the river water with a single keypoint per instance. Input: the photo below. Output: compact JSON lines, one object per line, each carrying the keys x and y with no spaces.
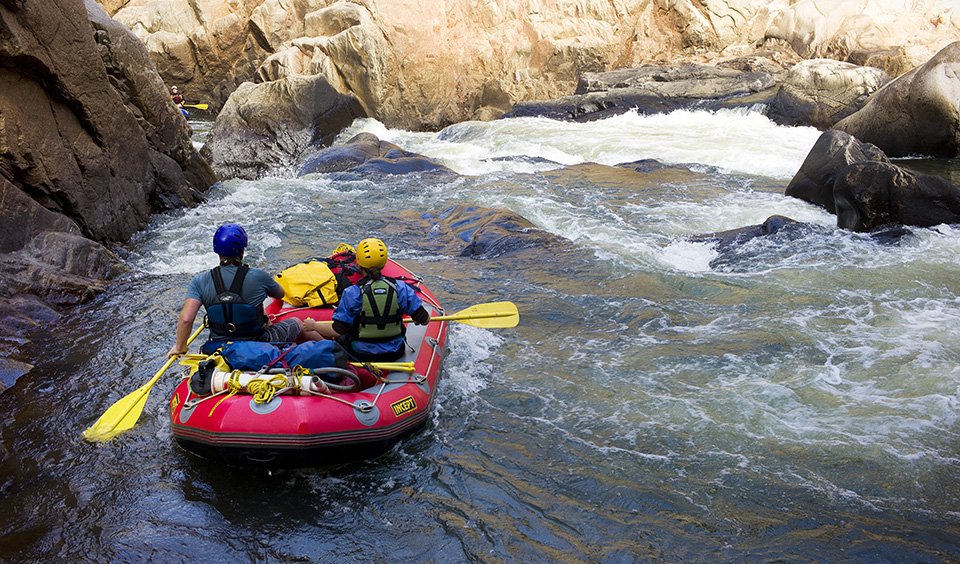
{"x":794,"y":398}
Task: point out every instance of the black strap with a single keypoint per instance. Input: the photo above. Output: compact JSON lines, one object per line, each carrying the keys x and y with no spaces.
{"x":217,"y":280}
{"x":236,"y":285}
{"x":238,"y":279}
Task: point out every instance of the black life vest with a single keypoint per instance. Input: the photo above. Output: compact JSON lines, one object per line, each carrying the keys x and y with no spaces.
{"x":380,"y":317}
{"x":230,"y":315}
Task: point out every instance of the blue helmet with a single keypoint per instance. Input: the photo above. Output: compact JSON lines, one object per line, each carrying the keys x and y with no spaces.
{"x":230,"y":240}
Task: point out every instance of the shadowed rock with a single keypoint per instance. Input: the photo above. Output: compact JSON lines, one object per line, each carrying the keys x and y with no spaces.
{"x":92,"y":146}
{"x":869,"y":195}
{"x":833,"y":152}
{"x":358,"y":150}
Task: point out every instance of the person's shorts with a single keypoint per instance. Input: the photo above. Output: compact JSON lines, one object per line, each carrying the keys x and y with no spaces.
{"x":285,"y":331}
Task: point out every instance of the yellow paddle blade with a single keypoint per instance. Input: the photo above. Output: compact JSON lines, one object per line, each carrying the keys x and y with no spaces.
{"x":121,"y":416}
{"x":493,"y":315}
{"x":197,"y":106}
{"x":124,"y":414}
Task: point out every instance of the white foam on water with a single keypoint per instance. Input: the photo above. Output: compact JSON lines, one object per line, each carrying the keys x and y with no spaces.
{"x":466,"y":367}
{"x":736,"y":141}
{"x":688,"y":256}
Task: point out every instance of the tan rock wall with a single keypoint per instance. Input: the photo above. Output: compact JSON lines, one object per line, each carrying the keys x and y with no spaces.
{"x":427,"y":64}
{"x":895,"y":35}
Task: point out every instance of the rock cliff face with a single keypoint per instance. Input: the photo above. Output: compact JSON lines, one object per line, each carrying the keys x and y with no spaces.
{"x":420,"y":65}
{"x":90,"y":146}
{"x":893,"y":35}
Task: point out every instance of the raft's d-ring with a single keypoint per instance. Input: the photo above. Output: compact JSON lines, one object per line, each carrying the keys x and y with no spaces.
{"x":363,"y":406}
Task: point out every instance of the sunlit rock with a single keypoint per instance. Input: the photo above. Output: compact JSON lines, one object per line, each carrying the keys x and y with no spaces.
{"x":414,"y":66}
{"x":893,"y":35}
{"x":654,"y":89}
{"x":821,"y":92}
{"x":916,"y":114}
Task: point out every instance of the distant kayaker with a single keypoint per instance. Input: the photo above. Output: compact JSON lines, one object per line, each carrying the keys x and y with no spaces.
{"x":175,"y":95}
{"x":232,"y":295}
{"x":370,"y":313}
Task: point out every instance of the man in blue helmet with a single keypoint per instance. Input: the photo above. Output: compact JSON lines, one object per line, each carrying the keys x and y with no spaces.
{"x":232,"y":295}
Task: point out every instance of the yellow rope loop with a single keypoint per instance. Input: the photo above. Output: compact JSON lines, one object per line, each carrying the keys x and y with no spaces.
{"x":233,"y":386}
{"x":264,"y":390}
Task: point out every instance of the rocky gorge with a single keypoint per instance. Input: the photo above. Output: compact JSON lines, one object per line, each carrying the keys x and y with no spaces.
{"x":92,"y":146}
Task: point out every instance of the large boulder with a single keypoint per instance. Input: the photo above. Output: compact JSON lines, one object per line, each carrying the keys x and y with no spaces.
{"x":918,"y":113}
{"x":833,"y":152}
{"x":869,"y":195}
{"x":821,"y":92}
{"x":267,"y":128}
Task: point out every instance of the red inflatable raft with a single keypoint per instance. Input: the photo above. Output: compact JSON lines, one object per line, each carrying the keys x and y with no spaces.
{"x":301,"y":426}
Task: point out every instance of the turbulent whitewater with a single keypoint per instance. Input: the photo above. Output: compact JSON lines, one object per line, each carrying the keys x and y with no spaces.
{"x":794,"y":397}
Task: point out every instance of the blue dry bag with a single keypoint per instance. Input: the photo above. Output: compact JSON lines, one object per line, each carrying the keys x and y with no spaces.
{"x":317,"y":354}
{"x":249,"y":355}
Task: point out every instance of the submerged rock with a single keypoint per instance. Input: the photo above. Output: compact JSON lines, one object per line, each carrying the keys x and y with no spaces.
{"x":366,"y":154}
{"x":783,"y":234}
{"x":472,"y":231}
{"x":724,"y":240}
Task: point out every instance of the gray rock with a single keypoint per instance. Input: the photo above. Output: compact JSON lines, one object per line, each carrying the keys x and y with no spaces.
{"x":869,"y":195}
{"x":821,"y":92}
{"x":833,"y":152}
{"x":269,"y":127}
{"x":916,"y":114}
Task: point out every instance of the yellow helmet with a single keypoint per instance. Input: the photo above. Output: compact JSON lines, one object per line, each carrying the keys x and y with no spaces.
{"x":371,"y":253}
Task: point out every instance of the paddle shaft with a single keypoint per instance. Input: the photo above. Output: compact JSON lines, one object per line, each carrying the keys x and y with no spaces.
{"x":460,"y":316}
{"x":145,"y":389}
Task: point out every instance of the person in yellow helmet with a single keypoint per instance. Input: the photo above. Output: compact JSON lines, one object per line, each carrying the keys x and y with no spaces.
{"x":370,"y":313}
